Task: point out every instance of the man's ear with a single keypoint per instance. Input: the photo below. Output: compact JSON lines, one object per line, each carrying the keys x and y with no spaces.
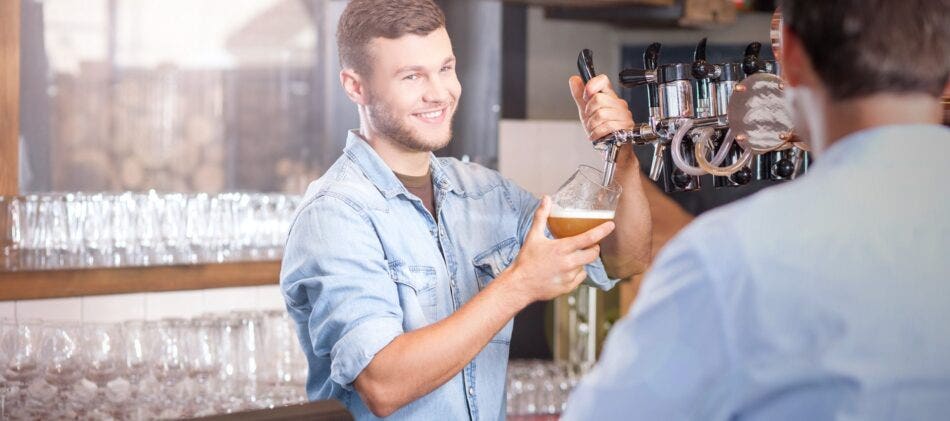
{"x":354,"y":85}
{"x":797,"y":68}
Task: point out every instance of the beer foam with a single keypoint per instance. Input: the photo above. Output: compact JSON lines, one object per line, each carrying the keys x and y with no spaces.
{"x":559,"y":212}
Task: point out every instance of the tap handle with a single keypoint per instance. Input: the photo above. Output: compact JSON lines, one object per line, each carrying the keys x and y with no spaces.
{"x":751,"y":63}
{"x":651,"y":60}
{"x":585,"y":65}
{"x":651,"y":57}
{"x":701,"y":68}
{"x":630,"y":78}
{"x":699,"y":54}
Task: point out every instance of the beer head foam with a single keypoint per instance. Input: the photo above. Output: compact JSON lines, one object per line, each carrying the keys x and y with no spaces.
{"x":559,"y":212}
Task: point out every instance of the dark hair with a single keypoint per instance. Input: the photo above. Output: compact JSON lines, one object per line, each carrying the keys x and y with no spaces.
{"x":864,"y":47}
{"x":364,"y":20}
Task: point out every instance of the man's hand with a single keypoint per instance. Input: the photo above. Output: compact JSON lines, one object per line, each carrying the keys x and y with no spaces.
{"x":626,"y":252}
{"x":545,"y":268}
{"x":599,"y":107}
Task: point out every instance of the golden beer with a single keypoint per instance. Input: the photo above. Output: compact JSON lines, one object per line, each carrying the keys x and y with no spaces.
{"x":570,"y":222}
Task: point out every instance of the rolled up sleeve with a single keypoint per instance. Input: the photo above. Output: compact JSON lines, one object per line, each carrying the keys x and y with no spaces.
{"x":336,"y":280}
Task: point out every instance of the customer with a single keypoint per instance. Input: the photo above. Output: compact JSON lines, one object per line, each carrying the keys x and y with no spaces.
{"x":828,"y":297}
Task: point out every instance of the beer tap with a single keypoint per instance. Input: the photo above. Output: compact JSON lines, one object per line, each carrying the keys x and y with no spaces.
{"x":703,"y":72}
{"x":610,"y":144}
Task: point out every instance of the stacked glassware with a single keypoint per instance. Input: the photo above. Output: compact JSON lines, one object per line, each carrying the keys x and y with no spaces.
{"x":71,"y":230}
{"x":170,"y":368}
{"x":538,"y":390}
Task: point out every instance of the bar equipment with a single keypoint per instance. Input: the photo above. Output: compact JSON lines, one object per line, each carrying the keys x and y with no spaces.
{"x":728,"y":120}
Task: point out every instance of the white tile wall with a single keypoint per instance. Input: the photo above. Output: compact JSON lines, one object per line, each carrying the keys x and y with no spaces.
{"x":149,"y":306}
{"x":230,"y":299}
{"x":113,"y":308}
{"x":7,"y":309}
{"x":270,"y":298}
{"x":160,"y":305}
{"x":552,"y":150}
{"x":58,"y":309}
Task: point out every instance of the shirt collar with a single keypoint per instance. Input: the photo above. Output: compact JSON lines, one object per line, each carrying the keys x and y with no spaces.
{"x":376,"y":170}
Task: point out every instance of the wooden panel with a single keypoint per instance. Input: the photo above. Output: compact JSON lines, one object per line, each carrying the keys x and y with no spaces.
{"x":9,"y":95}
{"x":329,"y":410}
{"x":81,"y":282}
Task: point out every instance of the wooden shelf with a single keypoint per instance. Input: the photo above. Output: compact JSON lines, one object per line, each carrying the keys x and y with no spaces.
{"x":28,"y":285}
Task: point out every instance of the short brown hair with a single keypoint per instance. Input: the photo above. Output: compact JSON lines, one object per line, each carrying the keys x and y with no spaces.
{"x":363,"y":20}
{"x":864,"y":47}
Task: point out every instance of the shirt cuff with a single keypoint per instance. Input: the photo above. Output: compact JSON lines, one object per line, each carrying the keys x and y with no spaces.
{"x":597,"y":276}
{"x":353,"y":352}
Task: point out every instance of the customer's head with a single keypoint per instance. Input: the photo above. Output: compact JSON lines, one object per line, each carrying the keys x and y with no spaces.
{"x":856,"y":64}
{"x":865,"y":47}
{"x":398,"y":66}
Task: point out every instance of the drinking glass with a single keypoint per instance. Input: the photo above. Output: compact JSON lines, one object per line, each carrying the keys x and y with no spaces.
{"x":63,"y":366}
{"x":21,"y":342}
{"x":134,"y":364}
{"x":280,"y":373}
{"x":169,"y":366}
{"x":201,"y":339}
{"x":582,"y":203}
{"x":103,"y":349}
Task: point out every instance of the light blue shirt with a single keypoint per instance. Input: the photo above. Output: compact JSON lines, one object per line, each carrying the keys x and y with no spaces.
{"x":825,"y":298}
{"x":363,"y":265}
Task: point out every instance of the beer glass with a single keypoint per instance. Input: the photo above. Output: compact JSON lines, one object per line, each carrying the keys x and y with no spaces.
{"x":583,"y":203}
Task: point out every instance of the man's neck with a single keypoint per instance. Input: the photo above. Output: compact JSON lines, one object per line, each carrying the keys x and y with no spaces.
{"x":843,"y":118}
{"x":397,"y":157}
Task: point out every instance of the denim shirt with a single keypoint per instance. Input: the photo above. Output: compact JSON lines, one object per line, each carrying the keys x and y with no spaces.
{"x":366,"y":262}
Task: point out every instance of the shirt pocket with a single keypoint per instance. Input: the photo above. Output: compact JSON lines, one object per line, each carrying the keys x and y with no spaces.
{"x":491,"y":262}
{"x":421,"y":291}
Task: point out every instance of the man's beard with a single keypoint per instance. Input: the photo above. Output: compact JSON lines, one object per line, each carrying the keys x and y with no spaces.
{"x":390,"y":125}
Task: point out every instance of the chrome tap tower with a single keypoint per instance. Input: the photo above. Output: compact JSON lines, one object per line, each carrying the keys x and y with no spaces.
{"x":728,"y":120}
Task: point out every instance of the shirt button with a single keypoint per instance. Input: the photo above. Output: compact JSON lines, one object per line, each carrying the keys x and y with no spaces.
{"x":471,"y":391}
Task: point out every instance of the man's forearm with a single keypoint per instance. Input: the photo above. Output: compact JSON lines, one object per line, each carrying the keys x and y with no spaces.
{"x":417,"y":362}
{"x":626,"y":252}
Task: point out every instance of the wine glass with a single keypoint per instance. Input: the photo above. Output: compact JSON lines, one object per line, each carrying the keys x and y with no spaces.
{"x":103,"y":350}
{"x":20,"y":344}
{"x":250,"y":347}
{"x":134,"y":362}
{"x":229,"y":379}
{"x":168,"y":365}
{"x":280,"y":373}
{"x":5,"y":326}
{"x":62,"y":366}
{"x":583,"y":203}
{"x":201,"y":339}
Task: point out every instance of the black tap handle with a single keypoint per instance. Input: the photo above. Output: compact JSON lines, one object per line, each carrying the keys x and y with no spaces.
{"x":630,"y":78}
{"x":751,"y":63}
{"x":651,"y":57}
{"x":585,"y":65}
{"x":700,"y":53}
{"x":651,"y":60}
{"x":702,"y":69}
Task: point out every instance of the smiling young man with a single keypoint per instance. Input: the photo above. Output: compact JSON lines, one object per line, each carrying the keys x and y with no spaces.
{"x":403,"y":271}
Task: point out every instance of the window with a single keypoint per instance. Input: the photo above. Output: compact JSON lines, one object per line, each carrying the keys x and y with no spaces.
{"x":178,"y":95}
